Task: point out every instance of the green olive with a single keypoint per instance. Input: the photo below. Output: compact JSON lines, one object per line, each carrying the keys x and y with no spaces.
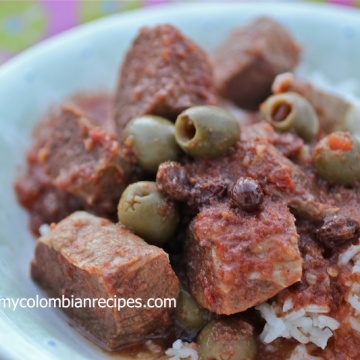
{"x":229,"y":338}
{"x":188,"y":313}
{"x":144,"y":210}
{"x":336,"y":158}
{"x":153,"y":139}
{"x":290,"y":110}
{"x":206,"y":131}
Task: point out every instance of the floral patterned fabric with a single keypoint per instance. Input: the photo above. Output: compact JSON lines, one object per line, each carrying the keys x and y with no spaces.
{"x":23,"y":23}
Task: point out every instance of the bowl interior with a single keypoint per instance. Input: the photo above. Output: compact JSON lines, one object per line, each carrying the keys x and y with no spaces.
{"x":88,"y":58}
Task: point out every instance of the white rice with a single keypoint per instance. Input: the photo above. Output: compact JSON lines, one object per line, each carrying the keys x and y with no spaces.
{"x":346,"y":256}
{"x":181,"y":350}
{"x":44,"y":229}
{"x":288,"y":305}
{"x":354,"y":323}
{"x":306,"y":325}
{"x":301,"y":353}
{"x":351,"y":259}
{"x":353,"y":300}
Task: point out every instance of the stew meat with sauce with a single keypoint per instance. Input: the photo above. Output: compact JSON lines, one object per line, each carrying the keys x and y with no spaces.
{"x":224,"y":181}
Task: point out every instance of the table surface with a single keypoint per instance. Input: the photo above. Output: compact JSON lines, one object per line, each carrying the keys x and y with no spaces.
{"x":24,"y":23}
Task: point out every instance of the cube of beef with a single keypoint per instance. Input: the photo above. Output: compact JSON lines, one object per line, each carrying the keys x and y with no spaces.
{"x":35,"y":188}
{"x":246,"y":64}
{"x":98,"y":107}
{"x":288,"y":143}
{"x":236,"y":260}
{"x":46,"y":204}
{"x":85,"y":256}
{"x":341,"y":226}
{"x":163,"y":73}
{"x":281,"y":178}
{"x":85,"y":160}
{"x":315,"y":286}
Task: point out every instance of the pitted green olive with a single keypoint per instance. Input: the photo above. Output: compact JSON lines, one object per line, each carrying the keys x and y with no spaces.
{"x":290,"y":110}
{"x":206,"y":131}
{"x":228,"y":338}
{"x":153,"y":139}
{"x":144,"y":210}
{"x":336,"y":158}
{"x":188,"y":312}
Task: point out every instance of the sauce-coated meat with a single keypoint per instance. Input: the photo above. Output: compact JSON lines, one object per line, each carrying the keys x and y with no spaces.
{"x":247,"y":62}
{"x":163,"y":74}
{"x":261,"y":233}
{"x":237,"y":260}
{"x":85,"y":256}
{"x":86,"y":161}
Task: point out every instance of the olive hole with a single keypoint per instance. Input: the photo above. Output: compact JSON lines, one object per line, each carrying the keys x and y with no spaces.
{"x":280,"y":112}
{"x":188,"y":129}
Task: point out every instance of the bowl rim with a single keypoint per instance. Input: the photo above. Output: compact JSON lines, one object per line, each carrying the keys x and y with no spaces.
{"x":335,"y":13}
{"x":332,"y":11}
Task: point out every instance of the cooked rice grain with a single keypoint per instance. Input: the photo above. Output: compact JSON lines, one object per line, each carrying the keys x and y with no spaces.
{"x":351,"y":259}
{"x":181,"y":350}
{"x":301,"y":325}
{"x":301,"y":353}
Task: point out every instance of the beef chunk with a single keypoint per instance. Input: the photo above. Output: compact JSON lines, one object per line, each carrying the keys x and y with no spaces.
{"x":244,"y":117}
{"x":257,"y":155}
{"x":207,"y":192}
{"x":163,"y":74}
{"x":341,"y":226}
{"x":236,"y":260}
{"x":89,"y":257}
{"x":46,"y":203}
{"x":246,"y":64}
{"x":335,"y":113}
{"x":172,"y":178}
{"x":86,"y":161}
{"x":35,"y":189}
{"x":281,"y":178}
{"x":288,"y":143}
{"x":98,"y":107}
{"x":315,"y":285}
{"x":336,"y":230}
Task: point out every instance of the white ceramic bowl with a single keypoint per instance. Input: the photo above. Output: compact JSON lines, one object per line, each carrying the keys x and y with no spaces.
{"x":88,"y":58}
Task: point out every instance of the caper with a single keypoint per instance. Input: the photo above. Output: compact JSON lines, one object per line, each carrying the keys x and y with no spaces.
{"x":188,"y":312}
{"x":153,"y":139}
{"x":246,"y":193}
{"x":206,"y":131}
{"x":336,"y":158}
{"x":290,"y":110}
{"x":144,"y":210}
{"x":229,"y":338}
